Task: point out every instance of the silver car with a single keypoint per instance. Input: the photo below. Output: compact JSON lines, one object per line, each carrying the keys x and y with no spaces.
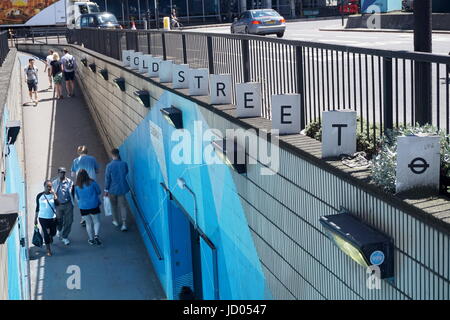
{"x":261,"y":22}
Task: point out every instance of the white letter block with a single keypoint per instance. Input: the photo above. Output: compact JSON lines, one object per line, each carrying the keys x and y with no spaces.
{"x":286,"y":113}
{"x":338,"y":133}
{"x":165,"y":71}
{"x":248,"y":100}
{"x":198,"y":82}
{"x":144,"y":63}
{"x":220,"y":87}
{"x":418,"y":162}
{"x":153,"y":68}
{"x":180,"y":73}
{"x":135,"y":60}
{"x":126,"y":56}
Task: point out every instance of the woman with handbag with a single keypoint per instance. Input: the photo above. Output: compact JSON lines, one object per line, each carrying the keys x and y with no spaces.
{"x":46,"y":202}
{"x":87,"y":193}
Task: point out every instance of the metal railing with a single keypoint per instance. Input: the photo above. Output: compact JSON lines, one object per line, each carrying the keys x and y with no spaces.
{"x":44,"y":35}
{"x":4,"y":47}
{"x":378,"y":84}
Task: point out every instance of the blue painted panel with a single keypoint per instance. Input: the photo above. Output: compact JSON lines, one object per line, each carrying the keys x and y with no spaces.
{"x":220,"y":213}
{"x":384,"y":5}
{"x":181,"y":251}
{"x":207,"y":258}
{"x":17,"y":263}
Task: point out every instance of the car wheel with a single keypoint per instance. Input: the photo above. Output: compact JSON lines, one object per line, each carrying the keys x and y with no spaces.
{"x":280,"y":34}
{"x":246,"y":30}
{"x":232,"y":29}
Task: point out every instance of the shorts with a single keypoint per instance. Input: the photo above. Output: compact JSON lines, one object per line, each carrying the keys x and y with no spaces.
{"x":32,"y":85}
{"x":85,"y":212}
{"x":57,"y":78}
{"x":69,"y":75}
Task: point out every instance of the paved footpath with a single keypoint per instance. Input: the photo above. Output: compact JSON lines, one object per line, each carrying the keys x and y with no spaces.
{"x":120,"y":268}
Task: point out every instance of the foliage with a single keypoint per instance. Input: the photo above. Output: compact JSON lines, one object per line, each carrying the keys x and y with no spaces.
{"x":385,"y":162}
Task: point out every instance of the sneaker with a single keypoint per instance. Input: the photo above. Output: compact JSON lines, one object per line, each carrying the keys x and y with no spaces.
{"x":83,"y":223}
{"x":66,"y":241}
{"x":124,"y":228}
{"x":97,"y":241}
{"x":91,"y":242}
{"x":115,"y":223}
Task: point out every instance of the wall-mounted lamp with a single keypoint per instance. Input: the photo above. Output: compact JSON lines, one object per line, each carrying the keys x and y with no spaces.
{"x":120,"y":83}
{"x":104,"y":74}
{"x":9,"y":208}
{"x":13,"y":129}
{"x":143,"y":96}
{"x":84,"y":61}
{"x":174,"y":116}
{"x":235,"y":157}
{"x":364,"y":244}
{"x":93,"y":67}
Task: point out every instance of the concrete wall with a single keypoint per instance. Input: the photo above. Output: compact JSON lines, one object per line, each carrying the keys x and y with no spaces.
{"x":288,"y":255}
{"x":13,"y":257}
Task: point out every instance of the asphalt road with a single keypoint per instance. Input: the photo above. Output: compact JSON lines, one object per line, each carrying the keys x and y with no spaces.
{"x":310,"y":31}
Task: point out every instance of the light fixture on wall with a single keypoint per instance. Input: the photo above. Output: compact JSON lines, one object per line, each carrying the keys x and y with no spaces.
{"x":120,"y":83}
{"x":174,"y":116}
{"x":84,"y":62}
{"x":9,"y":211}
{"x":143,"y":96}
{"x":13,"y":129}
{"x":235,"y":158}
{"x":104,"y":74}
{"x":93,"y":67}
{"x":361,"y":242}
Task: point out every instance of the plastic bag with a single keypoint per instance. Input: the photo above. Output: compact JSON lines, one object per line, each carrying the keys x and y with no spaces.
{"x":37,"y":238}
{"x":107,"y":206}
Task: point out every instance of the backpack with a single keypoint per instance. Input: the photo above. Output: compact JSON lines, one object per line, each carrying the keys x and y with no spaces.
{"x":70,"y":63}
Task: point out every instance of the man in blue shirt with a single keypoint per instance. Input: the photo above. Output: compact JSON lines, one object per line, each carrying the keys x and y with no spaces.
{"x":116,"y":187}
{"x":64,"y":210}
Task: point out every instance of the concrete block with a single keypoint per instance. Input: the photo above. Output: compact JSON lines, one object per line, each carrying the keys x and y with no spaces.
{"x":165,"y":71}
{"x":286,"y":113}
{"x":180,"y":73}
{"x":199,"y":82}
{"x":248,"y":99}
{"x":220,"y":87}
{"x":338,"y":133}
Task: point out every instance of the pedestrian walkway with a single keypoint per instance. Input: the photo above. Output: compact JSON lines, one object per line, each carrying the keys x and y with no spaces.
{"x":120,"y":268}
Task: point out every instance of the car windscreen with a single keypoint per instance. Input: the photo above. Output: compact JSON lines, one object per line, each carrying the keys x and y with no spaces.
{"x":265,"y":13}
{"x":93,"y":8}
{"x":107,"y":18}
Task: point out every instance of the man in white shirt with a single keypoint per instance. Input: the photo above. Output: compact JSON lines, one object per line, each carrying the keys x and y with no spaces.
{"x":48,"y":67}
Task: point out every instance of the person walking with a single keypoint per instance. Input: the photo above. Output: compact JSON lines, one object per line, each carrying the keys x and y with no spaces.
{"x":46,"y":213}
{"x":86,"y":162}
{"x":87,"y":193}
{"x":31,"y":79}
{"x":116,"y":187}
{"x":57,"y":75}
{"x":48,"y":68}
{"x":69,"y":67}
{"x":64,"y":210}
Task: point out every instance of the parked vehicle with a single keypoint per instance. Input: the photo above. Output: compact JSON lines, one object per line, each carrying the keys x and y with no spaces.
{"x":97,"y":20}
{"x":408,"y":5}
{"x":260,"y":22}
{"x":39,"y":13}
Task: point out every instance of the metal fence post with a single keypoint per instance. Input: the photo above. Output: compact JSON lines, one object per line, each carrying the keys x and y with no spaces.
{"x":246,"y":59}
{"x":300,"y":84}
{"x":183,"y":40}
{"x":388,"y":112}
{"x":163,"y":41}
{"x":210,"y":54}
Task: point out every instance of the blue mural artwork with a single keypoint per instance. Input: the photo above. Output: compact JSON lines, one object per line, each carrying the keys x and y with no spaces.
{"x":224,"y":255}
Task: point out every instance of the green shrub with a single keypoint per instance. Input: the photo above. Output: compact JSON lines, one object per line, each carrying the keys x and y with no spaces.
{"x":385,"y":162}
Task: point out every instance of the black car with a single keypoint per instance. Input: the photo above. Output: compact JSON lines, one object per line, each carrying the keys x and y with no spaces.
{"x":97,"y":20}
